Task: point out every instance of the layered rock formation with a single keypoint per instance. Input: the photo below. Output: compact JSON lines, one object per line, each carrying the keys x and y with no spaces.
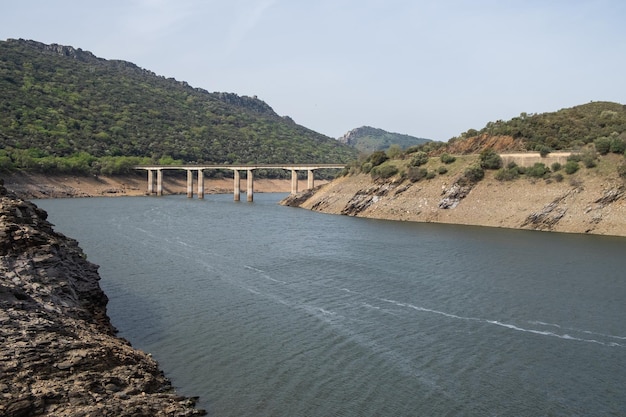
{"x":587,"y":202}
{"x":59,"y":355}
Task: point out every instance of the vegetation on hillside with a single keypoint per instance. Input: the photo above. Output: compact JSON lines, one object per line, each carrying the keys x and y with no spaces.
{"x":566,"y":129}
{"x":595,"y":132}
{"x":368,"y":139}
{"x":65,"y":110}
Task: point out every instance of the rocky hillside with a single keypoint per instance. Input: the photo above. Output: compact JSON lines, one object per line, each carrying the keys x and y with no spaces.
{"x":66,"y":110}
{"x":368,"y":139}
{"x":589,"y":200}
{"x":59,"y":355}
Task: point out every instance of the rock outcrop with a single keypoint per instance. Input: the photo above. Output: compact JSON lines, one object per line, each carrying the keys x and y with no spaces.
{"x":589,"y":201}
{"x":59,"y":355}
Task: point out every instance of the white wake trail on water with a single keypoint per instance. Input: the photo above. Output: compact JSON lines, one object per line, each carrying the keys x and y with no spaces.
{"x":514,"y":327}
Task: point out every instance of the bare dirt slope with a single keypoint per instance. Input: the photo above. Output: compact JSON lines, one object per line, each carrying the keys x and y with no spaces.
{"x":586,"y":202}
{"x":60,"y":186}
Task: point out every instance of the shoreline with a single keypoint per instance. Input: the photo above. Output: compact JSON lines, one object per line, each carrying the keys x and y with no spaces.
{"x":61,"y":355}
{"x":39,"y":186}
{"x":586,"y":203}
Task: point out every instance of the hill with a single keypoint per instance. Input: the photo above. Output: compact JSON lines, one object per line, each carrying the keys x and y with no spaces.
{"x":66,"y":110}
{"x":368,"y":139}
{"x":570,"y":128}
{"x":492,"y":178}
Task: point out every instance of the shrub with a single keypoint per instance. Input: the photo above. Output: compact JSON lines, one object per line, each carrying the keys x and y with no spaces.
{"x":377,"y":158}
{"x":539,"y":170}
{"x":588,"y":157}
{"x":558,"y":177}
{"x":507,"y":174}
{"x":571,"y":167}
{"x":366,"y":167}
{"x":415,"y":173}
{"x":430,"y":175}
{"x":394,"y":151}
{"x":384,"y":171}
{"x":419,"y":159}
{"x":489,"y":159}
{"x":442,"y":170}
{"x":474,"y":173}
{"x":618,"y":145}
{"x":576,"y":157}
{"x":447,"y":158}
{"x":544,"y":151}
{"x":603,"y":145}
{"x":556,"y":166}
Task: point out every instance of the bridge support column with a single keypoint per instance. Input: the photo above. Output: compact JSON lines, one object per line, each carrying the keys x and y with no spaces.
{"x":310,"y":179}
{"x":150,"y":182}
{"x":159,"y":185}
{"x":200,"y":184}
{"x":237,"y":191}
{"x":250,"y":192}
{"x":189,"y":183}
{"x":294,"y":181}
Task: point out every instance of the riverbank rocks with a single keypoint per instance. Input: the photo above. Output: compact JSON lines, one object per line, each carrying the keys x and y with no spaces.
{"x":59,"y":355}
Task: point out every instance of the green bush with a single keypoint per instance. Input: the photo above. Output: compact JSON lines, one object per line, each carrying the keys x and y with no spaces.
{"x":571,"y":167}
{"x":447,"y":158}
{"x":588,"y":157}
{"x":556,"y":166}
{"x":442,"y":170}
{"x":377,"y":158}
{"x":384,"y":171}
{"x":420,"y":158}
{"x":366,"y":167}
{"x":489,"y":159}
{"x":603,"y":145}
{"x":618,"y":145}
{"x":538,"y":170}
{"x":430,"y":175}
{"x":474,"y":173}
{"x":544,"y":151}
{"x":507,"y":174}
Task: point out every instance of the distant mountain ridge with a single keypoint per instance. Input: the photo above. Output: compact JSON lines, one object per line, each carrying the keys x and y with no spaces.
{"x":66,"y":110}
{"x":369,"y":139}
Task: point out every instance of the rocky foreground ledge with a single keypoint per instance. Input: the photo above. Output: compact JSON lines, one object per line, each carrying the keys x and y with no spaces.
{"x":59,"y":355}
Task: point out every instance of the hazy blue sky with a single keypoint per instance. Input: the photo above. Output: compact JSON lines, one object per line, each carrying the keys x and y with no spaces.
{"x":426,"y":68}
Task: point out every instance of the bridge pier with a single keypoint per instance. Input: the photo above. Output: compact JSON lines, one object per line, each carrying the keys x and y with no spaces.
{"x":294,"y":181}
{"x":189,"y":183}
{"x":150,"y":182}
{"x":250,"y":181}
{"x":236,"y":186}
{"x":159,"y":185}
{"x":200,"y":184}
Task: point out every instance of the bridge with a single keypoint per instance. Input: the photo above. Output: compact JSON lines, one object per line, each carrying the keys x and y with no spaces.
{"x":157,"y":188}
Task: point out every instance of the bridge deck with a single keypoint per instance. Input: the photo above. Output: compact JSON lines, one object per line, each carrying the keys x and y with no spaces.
{"x":299,"y":167}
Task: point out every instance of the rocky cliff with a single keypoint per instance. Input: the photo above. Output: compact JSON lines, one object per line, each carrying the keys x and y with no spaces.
{"x":589,"y":201}
{"x":59,"y":355}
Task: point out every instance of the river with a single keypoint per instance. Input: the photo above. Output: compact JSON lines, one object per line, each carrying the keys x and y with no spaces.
{"x":264,"y":310}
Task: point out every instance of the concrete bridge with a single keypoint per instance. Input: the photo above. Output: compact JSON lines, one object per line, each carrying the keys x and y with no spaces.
{"x":294,"y":168}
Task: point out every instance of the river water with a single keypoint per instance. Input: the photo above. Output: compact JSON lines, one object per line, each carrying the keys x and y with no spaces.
{"x":264,"y":310}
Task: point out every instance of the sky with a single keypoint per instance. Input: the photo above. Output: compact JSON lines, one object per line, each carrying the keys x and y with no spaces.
{"x":427,"y":68}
